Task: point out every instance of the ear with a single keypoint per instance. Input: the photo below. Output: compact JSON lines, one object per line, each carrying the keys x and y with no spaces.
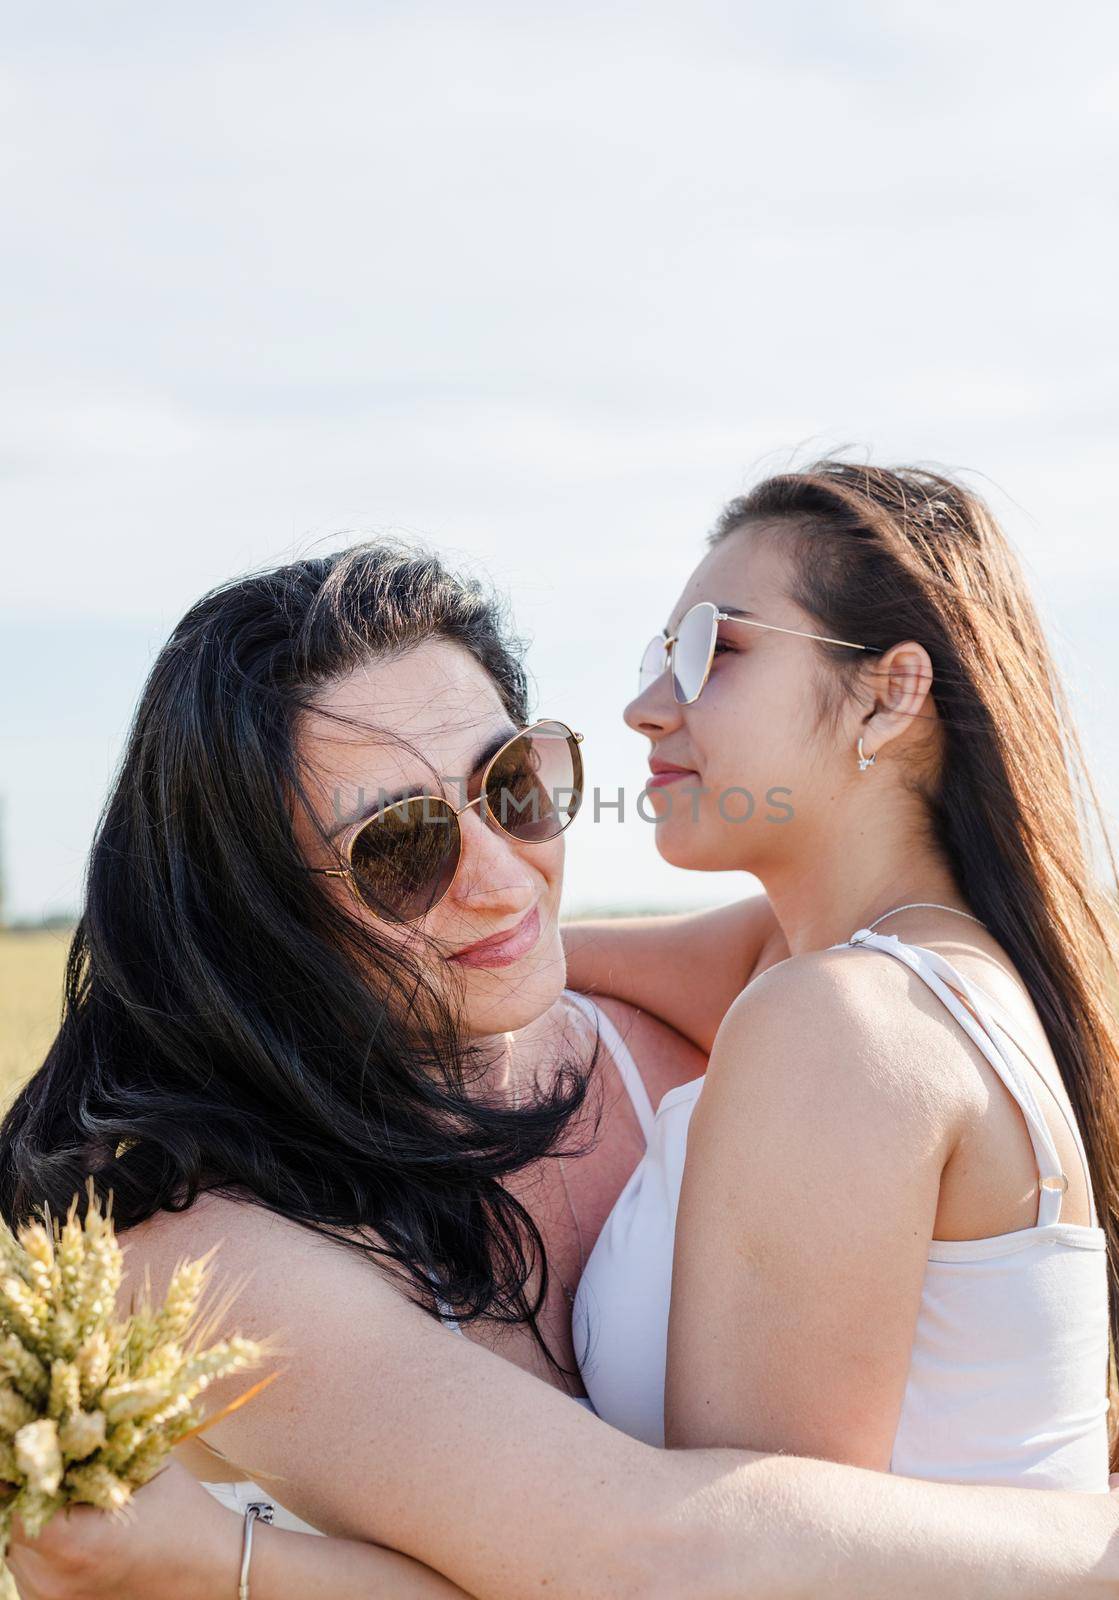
{"x":900,"y":682}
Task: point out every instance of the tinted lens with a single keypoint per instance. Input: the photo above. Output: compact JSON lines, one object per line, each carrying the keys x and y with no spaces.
{"x":653,"y":662}
{"x":691,"y":655}
{"x":535,"y":785}
{"x":404,"y":858}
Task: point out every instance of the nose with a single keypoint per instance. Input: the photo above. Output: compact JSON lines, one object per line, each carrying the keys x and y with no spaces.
{"x":654,"y":711}
{"x":492,"y":874}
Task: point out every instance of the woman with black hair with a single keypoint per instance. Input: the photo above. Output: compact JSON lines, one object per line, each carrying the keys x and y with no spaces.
{"x":331,"y":1034}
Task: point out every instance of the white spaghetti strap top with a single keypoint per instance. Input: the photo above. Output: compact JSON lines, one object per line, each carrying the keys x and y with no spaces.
{"x":1008,"y":1375}
{"x":1008,"y":1372}
{"x":623,"y":1059}
{"x":988,"y":1036}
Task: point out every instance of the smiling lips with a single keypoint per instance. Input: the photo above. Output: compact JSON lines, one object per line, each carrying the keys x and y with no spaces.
{"x":503,"y":948}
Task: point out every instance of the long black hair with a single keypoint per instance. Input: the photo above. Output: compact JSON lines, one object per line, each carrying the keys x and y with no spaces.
{"x":226,"y":1020}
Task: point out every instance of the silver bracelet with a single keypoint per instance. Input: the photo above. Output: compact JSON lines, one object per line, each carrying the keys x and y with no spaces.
{"x":265,"y":1510}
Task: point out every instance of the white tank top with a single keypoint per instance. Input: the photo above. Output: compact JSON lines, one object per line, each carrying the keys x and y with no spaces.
{"x":239,"y":1495}
{"x":1008,"y":1374}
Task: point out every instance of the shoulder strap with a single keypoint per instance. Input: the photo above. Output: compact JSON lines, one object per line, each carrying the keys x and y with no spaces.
{"x":623,"y":1060}
{"x":943,"y":978}
{"x":1001,"y":1018}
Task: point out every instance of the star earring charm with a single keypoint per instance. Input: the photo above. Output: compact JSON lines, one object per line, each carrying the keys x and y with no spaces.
{"x":864,"y":760}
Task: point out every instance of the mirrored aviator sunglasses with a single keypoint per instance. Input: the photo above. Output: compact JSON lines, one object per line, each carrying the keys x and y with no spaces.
{"x":402,"y":860}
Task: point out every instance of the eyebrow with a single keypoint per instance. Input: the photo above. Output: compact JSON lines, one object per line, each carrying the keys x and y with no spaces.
{"x":731,"y":611}
{"x":413,"y":791}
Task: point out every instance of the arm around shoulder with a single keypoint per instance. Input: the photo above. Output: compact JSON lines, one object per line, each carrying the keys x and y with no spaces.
{"x":685,"y":969}
{"x":387,"y":1428}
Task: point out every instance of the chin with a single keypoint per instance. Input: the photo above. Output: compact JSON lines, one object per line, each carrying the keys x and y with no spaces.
{"x":504,"y":999}
{"x":683,"y":843}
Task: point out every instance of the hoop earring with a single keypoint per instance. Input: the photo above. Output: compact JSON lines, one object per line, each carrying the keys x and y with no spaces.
{"x":864,"y":760}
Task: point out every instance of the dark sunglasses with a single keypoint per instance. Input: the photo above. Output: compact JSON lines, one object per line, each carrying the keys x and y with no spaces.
{"x":402,"y":860}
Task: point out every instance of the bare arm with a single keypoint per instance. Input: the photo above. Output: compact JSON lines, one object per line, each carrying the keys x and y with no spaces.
{"x":807,"y":1205}
{"x":181,"y":1544}
{"x":813,"y":1529}
{"x":389,"y":1429}
{"x":686,"y":969}
{"x":298,"y":1566}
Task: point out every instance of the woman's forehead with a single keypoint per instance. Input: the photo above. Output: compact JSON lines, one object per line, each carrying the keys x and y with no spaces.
{"x":427,"y":710}
{"x":739,"y":574}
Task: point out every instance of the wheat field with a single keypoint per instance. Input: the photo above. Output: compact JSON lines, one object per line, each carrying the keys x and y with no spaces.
{"x":31,"y":971}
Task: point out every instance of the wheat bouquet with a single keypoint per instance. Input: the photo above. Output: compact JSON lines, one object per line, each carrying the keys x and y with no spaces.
{"x":91,"y":1406}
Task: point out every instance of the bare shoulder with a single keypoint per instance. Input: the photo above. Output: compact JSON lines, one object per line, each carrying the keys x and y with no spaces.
{"x":664,"y":1057}
{"x":278,"y":1269}
{"x":843,"y":1030}
{"x":238,"y":1230}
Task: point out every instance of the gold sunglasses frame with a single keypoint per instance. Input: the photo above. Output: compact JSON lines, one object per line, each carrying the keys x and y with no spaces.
{"x":349,"y":838}
{"x":669,"y":642}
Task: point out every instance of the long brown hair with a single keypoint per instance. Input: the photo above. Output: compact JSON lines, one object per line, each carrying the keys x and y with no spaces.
{"x":882,"y":556}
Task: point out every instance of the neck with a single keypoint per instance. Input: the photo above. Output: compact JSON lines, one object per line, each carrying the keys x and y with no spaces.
{"x":497,"y":1051}
{"x":515,"y":1056}
{"x":853,"y":871}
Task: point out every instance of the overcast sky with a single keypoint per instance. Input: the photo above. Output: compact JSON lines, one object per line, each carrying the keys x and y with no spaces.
{"x":540,"y":288}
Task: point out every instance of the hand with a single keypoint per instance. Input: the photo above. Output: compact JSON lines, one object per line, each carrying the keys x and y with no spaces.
{"x":178,"y":1543}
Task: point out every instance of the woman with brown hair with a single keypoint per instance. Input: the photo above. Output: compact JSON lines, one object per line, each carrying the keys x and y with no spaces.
{"x":901,"y":1195}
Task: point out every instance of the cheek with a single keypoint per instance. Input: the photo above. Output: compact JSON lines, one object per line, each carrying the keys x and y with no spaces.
{"x":546,"y":861}
{"x":743,"y":758}
{"x":733,"y":738}
{"x":754,"y":727}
